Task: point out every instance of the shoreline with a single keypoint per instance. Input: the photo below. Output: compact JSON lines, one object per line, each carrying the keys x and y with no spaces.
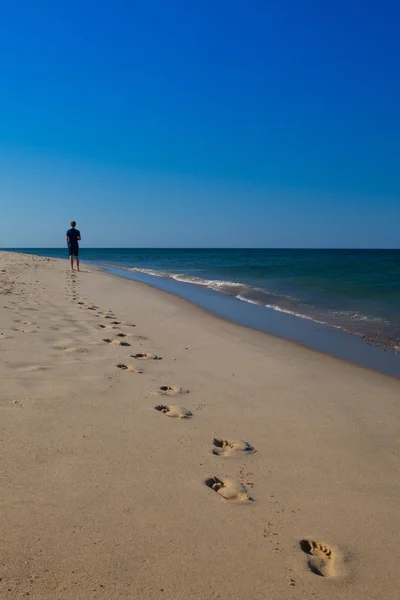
{"x":377,"y":353}
{"x":375,"y":323}
{"x":324,"y":339}
{"x":128,"y":503}
{"x":327,"y":339}
{"x":282,"y":304}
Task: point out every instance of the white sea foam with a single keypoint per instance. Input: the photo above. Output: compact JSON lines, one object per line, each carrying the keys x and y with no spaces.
{"x":243,"y":299}
{"x":302,"y":316}
{"x":211,"y":283}
{"x":283,"y":310}
{"x":149,"y":272}
{"x":215,"y":284}
{"x":292,"y":312}
{"x":188,"y":279}
{"x":357,"y":316}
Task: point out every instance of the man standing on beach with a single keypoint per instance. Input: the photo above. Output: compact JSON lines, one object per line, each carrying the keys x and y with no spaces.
{"x":73,"y":237}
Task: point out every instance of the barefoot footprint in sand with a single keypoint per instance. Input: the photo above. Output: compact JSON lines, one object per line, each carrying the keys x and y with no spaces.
{"x":229,"y":448}
{"x":230,"y":489}
{"x":322,"y":559}
{"x":145,"y":356}
{"x":177,"y":412}
{"x":171,"y":390}
{"x":130,"y":368}
{"x":115,"y":341}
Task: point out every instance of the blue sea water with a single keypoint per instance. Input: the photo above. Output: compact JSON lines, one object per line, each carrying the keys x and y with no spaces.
{"x":356,"y":290}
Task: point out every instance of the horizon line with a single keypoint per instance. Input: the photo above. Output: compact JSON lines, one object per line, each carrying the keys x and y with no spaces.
{"x":195,"y":248}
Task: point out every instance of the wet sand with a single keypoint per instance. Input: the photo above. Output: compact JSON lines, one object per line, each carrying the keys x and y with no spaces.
{"x":151,"y":450}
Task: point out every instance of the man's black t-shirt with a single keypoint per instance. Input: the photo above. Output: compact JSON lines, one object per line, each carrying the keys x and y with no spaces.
{"x":73,"y":235}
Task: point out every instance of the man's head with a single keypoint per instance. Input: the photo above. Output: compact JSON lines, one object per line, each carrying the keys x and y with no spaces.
{"x":73,"y":224}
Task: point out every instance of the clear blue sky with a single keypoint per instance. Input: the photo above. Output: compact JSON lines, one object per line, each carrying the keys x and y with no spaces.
{"x":214,"y":123}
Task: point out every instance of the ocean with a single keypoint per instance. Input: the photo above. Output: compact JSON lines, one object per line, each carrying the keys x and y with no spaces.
{"x":354,"y":290}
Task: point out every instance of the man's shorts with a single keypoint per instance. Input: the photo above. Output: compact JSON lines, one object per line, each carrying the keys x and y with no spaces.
{"x":73,"y":250}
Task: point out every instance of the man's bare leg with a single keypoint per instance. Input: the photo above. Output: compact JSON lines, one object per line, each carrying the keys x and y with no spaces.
{"x":77,"y":263}
{"x":71,"y":260}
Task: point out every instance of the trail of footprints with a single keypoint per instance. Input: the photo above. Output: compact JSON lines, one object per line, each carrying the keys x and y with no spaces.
{"x":321,"y":559}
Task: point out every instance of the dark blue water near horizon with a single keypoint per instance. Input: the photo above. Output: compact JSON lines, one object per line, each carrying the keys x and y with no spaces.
{"x":355,"y":290}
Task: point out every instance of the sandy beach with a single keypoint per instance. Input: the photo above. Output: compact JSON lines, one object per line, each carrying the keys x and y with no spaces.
{"x":151,"y":450}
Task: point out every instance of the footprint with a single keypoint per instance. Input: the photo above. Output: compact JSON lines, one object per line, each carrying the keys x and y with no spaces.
{"x":177,"y":412}
{"x":74,"y":350}
{"x":18,"y":403}
{"x":146,"y":356}
{"x":115,"y":342}
{"x":107,"y":326}
{"x":228,"y":448}
{"x":32,"y":368}
{"x":171,"y":390}
{"x":121,"y":335}
{"x":130,"y":368}
{"x":229,"y":489}
{"x":321,"y":558}
{"x":116,"y":323}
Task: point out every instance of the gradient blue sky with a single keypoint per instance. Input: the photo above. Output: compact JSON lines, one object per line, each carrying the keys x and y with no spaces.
{"x":213,"y":123}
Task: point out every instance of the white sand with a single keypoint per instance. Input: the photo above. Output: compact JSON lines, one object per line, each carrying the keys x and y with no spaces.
{"x":102,"y":496}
